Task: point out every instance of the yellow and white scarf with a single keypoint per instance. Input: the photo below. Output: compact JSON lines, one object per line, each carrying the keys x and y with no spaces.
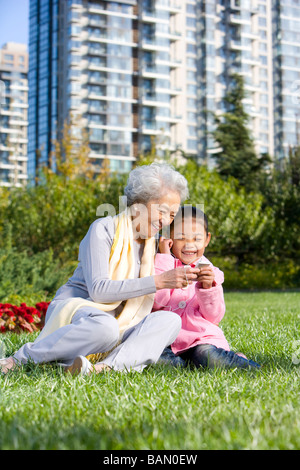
{"x":121,"y":266}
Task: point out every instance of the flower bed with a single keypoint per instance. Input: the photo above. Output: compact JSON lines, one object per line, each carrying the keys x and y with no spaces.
{"x":23,"y":318}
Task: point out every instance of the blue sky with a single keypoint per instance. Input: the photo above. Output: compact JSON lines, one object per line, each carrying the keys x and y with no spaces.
{"x":14,"y":21}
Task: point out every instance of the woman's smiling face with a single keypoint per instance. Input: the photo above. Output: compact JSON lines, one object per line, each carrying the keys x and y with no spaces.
{"x":157,"y":213}
{"x":189,"y":240}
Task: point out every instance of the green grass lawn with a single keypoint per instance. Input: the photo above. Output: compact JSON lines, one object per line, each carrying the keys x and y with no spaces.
{"x":165,"y":408}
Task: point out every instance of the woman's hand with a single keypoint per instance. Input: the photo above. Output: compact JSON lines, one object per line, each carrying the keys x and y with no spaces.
{"x":176,"y":278}
{"x":206,"y":277}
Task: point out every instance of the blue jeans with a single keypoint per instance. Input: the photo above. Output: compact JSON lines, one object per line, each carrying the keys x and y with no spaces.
{"x":208,"y":355}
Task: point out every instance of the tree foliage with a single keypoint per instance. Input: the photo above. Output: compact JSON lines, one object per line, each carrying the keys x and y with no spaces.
{"x":237,"y":156}
{"x":237,"y":221}
{"x":281,"y":191}
{"x":41,"y":226}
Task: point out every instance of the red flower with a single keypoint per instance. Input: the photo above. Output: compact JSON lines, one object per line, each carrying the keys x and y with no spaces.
{"x":23,"y":317}
{"x":11,"y":314}
{"x":42,"y":306}
{"x":15,"y":309}
{"x":28,"y":318}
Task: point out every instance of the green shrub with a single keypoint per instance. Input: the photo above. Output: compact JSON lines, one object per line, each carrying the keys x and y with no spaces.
{"x":30,"y":278}
{"x":55,"y":214}
{"x":246,"y":276}
{"x":41,"y":228}
{"x":237,"y":222}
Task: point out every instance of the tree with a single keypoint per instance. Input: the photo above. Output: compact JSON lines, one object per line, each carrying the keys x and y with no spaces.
{"x":281,"y":191}
{"x":71,"y":156}
{"x":71,"y":153}
{"x":238,"y":224}
{"x":237,"y":156}
{"x":293,"y":166}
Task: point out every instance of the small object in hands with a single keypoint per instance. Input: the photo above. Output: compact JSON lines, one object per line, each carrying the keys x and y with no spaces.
{"x":186,"y":284}
{"x":202,"y":264}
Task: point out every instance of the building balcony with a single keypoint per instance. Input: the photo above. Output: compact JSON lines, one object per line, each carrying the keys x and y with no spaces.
{"x":7,"y":130}
{"x":100,"y":22}
{"x":237,"y":44}
{"x":174,"y":64}
{"x":173,"y":6}
{"x":96,"y":51}
{"x":174,"y":91}
{"x":6,"y":111}
{"x":174,"y":35}
{"x":20,"y":140}
{"x":5,"y":166}
{"x":251,"y":60}
{"x":19,"y":87}
{"x":149,"y":124}
{"x":155,"y":128}
{"x":155,"y":43}
{"x":252,"y":87}
{"x":95,"y":8}
{"x":149,"y":16}
{"x":153,"y":99}
{"x":237,"y":19}
{"x":154,"y":70}
{"x":18,"y":158}
{"x":172,"y":120}
{"x":18,"y":122}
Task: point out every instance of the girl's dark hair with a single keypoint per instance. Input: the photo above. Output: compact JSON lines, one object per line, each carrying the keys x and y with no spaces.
{"x":190,"y":211}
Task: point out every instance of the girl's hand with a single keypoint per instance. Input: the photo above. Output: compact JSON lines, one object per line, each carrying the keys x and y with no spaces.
{"x":176,"y":278}
{"x":206,"y":277}
{"x":165,"y":245}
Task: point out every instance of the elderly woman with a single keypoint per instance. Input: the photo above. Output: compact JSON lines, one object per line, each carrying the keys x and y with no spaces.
{"x":103,"y":312}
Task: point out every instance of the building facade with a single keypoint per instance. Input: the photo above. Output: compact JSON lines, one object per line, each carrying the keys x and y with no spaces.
{"x":112,"y":65}
{"x":144,"y":73}
{"x":286,"y":52}
{"x":13,"y":114}
{"x":236,"y":37}
{"x":43,"y":82}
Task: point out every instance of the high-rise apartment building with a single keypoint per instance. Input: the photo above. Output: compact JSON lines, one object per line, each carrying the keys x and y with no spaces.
{"x":13,"y":114}
{"x":235,"y":37}
{"x":286,"y":48}
{"x":116,"y":66}
{"x":139,"y":73}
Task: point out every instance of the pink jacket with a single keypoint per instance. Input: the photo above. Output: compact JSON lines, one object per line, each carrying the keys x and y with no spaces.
{"x":200,"y":309}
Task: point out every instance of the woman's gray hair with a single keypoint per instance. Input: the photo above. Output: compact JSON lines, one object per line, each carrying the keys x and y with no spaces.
{"x":148,"y":182}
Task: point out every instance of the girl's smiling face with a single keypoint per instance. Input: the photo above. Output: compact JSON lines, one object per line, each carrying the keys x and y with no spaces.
{"x":189,"y":239}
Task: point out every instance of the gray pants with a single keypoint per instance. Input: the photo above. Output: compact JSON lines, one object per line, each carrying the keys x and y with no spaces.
{"x":93,"y":331}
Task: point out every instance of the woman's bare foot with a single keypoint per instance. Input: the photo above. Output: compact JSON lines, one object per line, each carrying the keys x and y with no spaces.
{"x":7,"y":364}
{"x":83,"y":366}
{"x":101,"y":368}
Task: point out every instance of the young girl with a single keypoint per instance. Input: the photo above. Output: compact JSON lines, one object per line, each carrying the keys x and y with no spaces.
{"x":201,"y":304}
